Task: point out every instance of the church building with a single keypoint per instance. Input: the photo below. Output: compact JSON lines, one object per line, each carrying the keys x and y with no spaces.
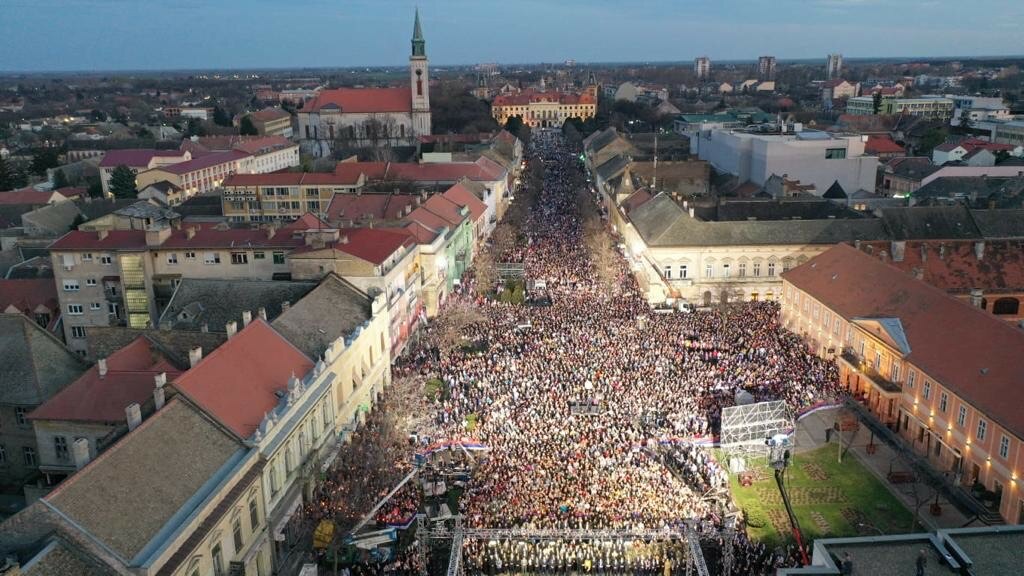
{"x":370,"y":117}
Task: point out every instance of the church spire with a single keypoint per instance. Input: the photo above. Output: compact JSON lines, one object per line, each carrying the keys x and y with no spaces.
{"x":419,"y":45}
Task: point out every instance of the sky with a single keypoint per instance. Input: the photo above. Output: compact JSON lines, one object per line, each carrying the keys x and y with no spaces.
{"x":65,"y":35}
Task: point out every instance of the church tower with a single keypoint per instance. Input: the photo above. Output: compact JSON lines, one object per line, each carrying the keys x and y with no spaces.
{"x":419,"y":76}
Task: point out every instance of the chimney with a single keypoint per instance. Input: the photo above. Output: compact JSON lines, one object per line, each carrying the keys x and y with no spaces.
{"x":285,"y":306}
{"x":204,"y":328}
{"x":343,"y":240}
{"x":246,"y":318}
{"x":190,"y":233}
{"x":856,"y":244}
{"x":898,"y":248}
{"x":262,"y":312}
{"x":271,"y":232}
{"x":942,"y":251}
{"x":80,"y":452}
{"x":976,"y":297}
{"x":919,"y":273}
{"x":231,"y":328}
{"x":924,"y":253}
{"x":979,"y":250}
{"x":691,"y":212}
{"x":195,"y":355}
{"x":102,"y":234}
{"x":101,"y":365}
{"x":133,"y":413}
{"x":158,"y":391}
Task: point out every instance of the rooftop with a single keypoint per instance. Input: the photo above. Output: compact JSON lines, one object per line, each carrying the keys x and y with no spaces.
{"x":955,"y":267}
{"x":856,"y":285}
{"x":213,"y":303}
{"x":334,"y":309}
{"x":255,"y":364}
{"x":34,"y":365}
{"x":361,"y":100}
{"x":136,"y":157}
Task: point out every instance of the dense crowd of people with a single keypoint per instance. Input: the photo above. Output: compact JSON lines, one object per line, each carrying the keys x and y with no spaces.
{"x":591,"y":407}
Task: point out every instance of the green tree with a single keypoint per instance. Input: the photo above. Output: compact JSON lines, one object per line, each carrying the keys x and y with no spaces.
{"x":95,"y":187}
{"x":876,"y":103}
{"x":514,"y":124}
{"x":247,"y":128}
{"x":44,"y":159}
{"x":931,"y":139}
{"x":122,"y":182}
{"x":194,"y":127}
{"x":7,"y":175}
{"x":60,"y":180}
{"x":221,"y":116}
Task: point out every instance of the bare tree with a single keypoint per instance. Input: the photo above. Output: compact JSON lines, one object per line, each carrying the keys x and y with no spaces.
{"x":485,"y":271}
{"x":503,"y":239}
{"x":450,"y":329}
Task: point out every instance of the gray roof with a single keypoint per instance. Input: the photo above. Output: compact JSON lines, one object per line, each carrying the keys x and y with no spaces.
{"x":200,"y":206}
{"x":999,"y":224}
{"x":105,"y":340}
{"x":930,"y":223}
{"x":662,"y":222}
{"x":216,"y":302}
{"x":954,"y":187}
{"x":601,"y":139}
{"x":332,"y":310}
{"x":145,"y":481}
{"x":914,"y":170}
{"x":164,"y":186}
{"x":93,"y":208}
{"x":145,"y":209}
{"x":778,"y":209}
{"x":59,"y":558}
{"x":835,"y":191}
{"x":613,"y":167}
{"x":35,"y":267}
{"x":34,"y":365}
{"x":56,"y":218}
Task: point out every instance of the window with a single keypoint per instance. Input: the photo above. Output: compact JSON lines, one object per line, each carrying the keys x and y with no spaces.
{"x":927,"y":390}
{"x":274,"y":487}
{"x":78,"y":332}
{"x":682,"y":271}
{"x":1004,"y":447}
{"x":668,"y":272}
{"x":771,"y":269}
{"x":172,"y":258}
{"x":218,"y":560}
{"x":75,"y":309}
{"x":725,"y":270}
{"x":757,"y":269}
{"x":112,"y":308}
{"x":709,"y":271}
{"x":943,"y":402}
{"x":894,"y":372}
{"x":87,"y":257}
{"x":236,"y":532}
{"x":71,"y":285}
{"x":95,"y":306}
{"x":190,"y":255}
{"x":742,"y":270}
{"x":835,"y":153}
{"x":211,"y":258}
{"x":3,"y":454}
{"x":982,"y":428}
{"x":961,"y":416}
{"x":106,"y":259}
{"x":911,"y":375}
{"x":90,"y":281}
{"x":278,"y":257}
{"x":60,"y":448}
{"x":254,"y":514}
{"x":288,"y":464}
{"x":239,"y":258}
{"x":19,"y":416}
{"x":29,"y":453}
{"x":878,"y":359}
{"x":259,"y":255}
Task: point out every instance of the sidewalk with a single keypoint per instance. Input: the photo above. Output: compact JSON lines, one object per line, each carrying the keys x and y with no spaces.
{"x":810,"y":434}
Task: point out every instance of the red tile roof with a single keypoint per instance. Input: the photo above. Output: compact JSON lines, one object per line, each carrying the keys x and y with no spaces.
{"x":954,"y":267}
{"x":361,"y":206}
{"x":527,"y":96}
{"x":72,"y":192}
{"x":129,"y":379}
{"x":237,"y":383}
{"x":421,"y":233}
{"x":114,"y":240}
{"x":882,"y":145}
{"x":445,"y":208}
{"x":375,"y":245}
{"x":28,"y":295}
{"x":307,"y":221}
{"x":362,"y":100}
{"x":268,"y":114}
{"x":209,"y":236}
{"x":465,"y":197}
{"x":832,"y":83}
{"x":264,"y":144}
{"x":205,"y":161}
{"x":135,"y":157}
{"x":29,"y":196}
{"x":973,"y":353}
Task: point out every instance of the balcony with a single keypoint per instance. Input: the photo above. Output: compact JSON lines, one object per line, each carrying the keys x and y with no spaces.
{"x":859,"y":365}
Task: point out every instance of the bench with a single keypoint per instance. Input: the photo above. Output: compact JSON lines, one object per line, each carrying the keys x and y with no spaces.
{"x":901,"y":477}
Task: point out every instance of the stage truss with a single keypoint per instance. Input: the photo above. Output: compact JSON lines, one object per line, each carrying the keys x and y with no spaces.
{"x":695,"y":564}
{"x":744,"y":428}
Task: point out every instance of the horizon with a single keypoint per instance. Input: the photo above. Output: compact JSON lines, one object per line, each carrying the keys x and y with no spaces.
{"x":364,"y":34}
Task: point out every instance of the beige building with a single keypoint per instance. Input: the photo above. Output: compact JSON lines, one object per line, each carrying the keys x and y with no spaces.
{"x":944,"y":391}
{"x":543,"y":109}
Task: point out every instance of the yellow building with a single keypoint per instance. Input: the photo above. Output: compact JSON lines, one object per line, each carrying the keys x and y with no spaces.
{"x":543,"y":109}
{"x":947,"y":392}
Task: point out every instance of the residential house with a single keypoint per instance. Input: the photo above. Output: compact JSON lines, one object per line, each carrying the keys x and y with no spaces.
{"x":36,"y":298}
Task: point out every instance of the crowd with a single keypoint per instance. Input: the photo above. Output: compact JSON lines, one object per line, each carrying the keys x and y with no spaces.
{"x":652,"y":384}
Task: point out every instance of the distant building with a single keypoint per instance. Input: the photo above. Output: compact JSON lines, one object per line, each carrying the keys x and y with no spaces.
{"x":932,"y":107}
{"x":766,"y":68}
{"x":702,"y":68}
{"x":544,"y":109}
{"x":833,"y":66}
{"x":837,"y":88}
{"x":138,"y":160}
{"x":272,"y":122}
{"x":203,"y":113}
{"x":1009,"y":133}
{"x":361,"y":117}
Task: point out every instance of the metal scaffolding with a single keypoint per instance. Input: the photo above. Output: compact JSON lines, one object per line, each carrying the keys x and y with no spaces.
{"x":745,"y":428}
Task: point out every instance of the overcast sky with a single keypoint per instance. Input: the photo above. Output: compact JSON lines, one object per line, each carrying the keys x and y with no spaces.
{"x":45,"y":35}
